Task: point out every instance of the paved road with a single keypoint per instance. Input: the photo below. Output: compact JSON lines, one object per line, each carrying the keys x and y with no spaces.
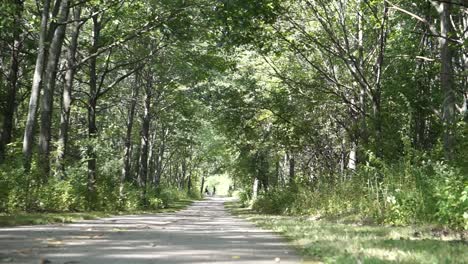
{"x":203,"y":233}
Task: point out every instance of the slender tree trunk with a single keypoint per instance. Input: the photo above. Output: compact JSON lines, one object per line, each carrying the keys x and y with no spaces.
{"x":36,"y":87}
{"x":12,"y":84}
{"x":49,"y":87}
{"x":362,"y":136}
{"x":277,"y":172}
{"x":352,"y":155}
{"x":184,"y":171}
{"x":92,"y":105}
{"x":189,"y":181}
{"x":255,"y":190}
{"x":160,"y":158}
{"x":127,"y":159}
{"x":151,"y":160}
{"x":145,"y":133}
{"x":66,"y":93}
{"x":376,"y":98}
{"x":128,"y":136}
{"x":202,"y":186}
{"x":446,"y":77}
{"x":464,"y":63}
{"x":292,"y":168}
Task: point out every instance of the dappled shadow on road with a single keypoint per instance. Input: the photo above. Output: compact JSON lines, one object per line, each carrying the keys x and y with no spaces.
{"x":202,"y":233}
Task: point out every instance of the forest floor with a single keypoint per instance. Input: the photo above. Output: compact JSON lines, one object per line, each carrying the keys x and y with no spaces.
{"x":202,"y":233}
{"x":325,"y":241}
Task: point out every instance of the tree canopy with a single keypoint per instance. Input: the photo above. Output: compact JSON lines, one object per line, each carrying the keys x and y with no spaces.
{"x":308,"y":105}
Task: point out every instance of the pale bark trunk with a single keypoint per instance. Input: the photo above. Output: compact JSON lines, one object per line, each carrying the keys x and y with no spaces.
{"x":160,"y":158}
{"x":48,"y":89}
{"x":12,"y":84}
{"x":66,"y":93}
{"x":464,"y":23}
{"x":255,"y":190}
{"x":145,"y":133}
{"x":36,"y":87}
{"x":151,"y":159}
{"x":352,"y":155}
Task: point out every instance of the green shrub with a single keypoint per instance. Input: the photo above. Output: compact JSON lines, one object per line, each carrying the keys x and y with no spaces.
{"x":244,"y":196}
{"x":451,"y":191}
{"x":412,"y":191}
{"x":169,"y":194}
{"x":155,"y":203}
{"x":130,"y":199}
{"x":55,"y":196}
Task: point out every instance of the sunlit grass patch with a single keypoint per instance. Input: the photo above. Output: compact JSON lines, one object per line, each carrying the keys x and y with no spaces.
{"x":47,"y":218}
{"x":66,"y":217}
{"x":321,"y":241}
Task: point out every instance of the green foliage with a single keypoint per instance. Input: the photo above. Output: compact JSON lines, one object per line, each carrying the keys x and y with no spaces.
{"x":244,"y":196}
{"x":410,"y":193}
{"x":130,"y":198}
{"x":275,"y":201}
{"x":451,"y":193}
{"x":169,"y":194}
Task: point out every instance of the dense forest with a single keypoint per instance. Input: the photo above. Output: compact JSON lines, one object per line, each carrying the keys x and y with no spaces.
{"x":314,"y":107}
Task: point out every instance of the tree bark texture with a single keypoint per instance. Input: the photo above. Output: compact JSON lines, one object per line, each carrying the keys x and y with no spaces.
{"x":92,"y":106}
{"x":67,"y":93}
{"x":145,"y":134}
{"x":128,"y":136}
{"x":28,"y":139}
{"x":446,"y":78}
{"x":49,"y":87}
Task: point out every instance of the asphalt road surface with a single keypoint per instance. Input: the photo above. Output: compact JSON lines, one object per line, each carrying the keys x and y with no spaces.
{"x":202,"y":233}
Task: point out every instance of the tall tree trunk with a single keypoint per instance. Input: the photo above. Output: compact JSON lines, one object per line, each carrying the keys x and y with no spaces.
{"x":36,"y":87}
{"x":189,"y":181}
{"x":292,"y":168}
{"x":446,"y":77}
{"x":277,"y":172}
{"x":151,"y":159}
{"x":352,"y":155}
{"x":128,"y":136}
{"x":145,"y":133}
{"x":92,"y":105}
{"x":66,"y":93}
{"x":49,"y":87}
{"x":376,"y":98}
{"x":12,"y":84}
{"x":202,"y":186}
{"x":160,"y":158}
{"x":255,"y":190}
{"x":184,"y":170}
{"x":464,"y":62}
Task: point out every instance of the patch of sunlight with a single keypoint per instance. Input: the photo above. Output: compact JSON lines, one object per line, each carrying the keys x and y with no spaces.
{"x":397,"y":234}
{"x":392,"y":255}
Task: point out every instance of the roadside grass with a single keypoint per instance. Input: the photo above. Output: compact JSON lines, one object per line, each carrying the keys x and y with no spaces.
{"x":68,"y":217}
{"x":322,"y":241}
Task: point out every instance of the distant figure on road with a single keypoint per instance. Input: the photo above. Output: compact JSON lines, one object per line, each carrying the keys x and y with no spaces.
{"x":214,"y":190}
{"x":206,"y":191}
